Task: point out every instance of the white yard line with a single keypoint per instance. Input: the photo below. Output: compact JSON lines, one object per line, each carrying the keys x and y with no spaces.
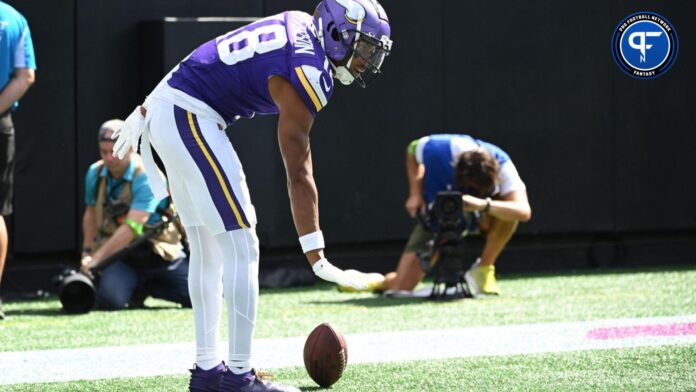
{"x":172,"y":359}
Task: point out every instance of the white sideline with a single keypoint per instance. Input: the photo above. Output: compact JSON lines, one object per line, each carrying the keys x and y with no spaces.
{"x":172,"y":359}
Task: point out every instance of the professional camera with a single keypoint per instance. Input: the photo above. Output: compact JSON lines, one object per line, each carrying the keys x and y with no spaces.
{"x":76,"y":291}
{"x":449,"y":223}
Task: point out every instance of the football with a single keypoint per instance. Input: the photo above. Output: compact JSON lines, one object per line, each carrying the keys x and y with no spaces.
{"x":325,"y":355}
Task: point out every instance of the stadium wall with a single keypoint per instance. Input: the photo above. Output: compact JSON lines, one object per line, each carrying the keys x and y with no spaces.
{"x":601,"y":152}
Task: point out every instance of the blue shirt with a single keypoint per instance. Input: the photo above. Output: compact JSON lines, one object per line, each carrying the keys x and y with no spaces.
{"x":16,"y":47}
{"x":439,"y":155}
{"x":143,"y":198}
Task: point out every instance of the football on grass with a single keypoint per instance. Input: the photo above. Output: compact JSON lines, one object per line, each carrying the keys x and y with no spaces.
{"x":325,"y":355}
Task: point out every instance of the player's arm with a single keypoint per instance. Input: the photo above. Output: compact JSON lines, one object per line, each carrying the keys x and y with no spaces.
{"x":294,"y":124}
{"x":122,"y":237}
{"x":414,"y":173}
{"x":20,"y":82}
{"x":513,"y":206}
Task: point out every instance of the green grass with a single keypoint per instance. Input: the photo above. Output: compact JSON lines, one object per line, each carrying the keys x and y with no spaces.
{"x":639,"y":369}
{"x":294,"y":312}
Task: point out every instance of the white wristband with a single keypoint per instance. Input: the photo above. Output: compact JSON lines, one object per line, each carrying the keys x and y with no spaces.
{"x":312,"y":241}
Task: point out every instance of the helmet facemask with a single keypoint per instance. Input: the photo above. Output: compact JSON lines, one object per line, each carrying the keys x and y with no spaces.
{"x":371,"y":52}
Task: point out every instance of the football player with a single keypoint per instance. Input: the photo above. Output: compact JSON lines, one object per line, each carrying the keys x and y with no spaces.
{"x":282,"y":64}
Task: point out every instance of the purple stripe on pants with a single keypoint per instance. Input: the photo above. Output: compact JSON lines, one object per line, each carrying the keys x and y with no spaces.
{"x":215,"y":187}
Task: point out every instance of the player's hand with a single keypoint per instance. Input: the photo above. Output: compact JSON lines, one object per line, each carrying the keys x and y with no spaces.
{"x":129,"y":135}
{"x":329,"y":272}
{"x":472,"y":203}
{"x":414,"y":204}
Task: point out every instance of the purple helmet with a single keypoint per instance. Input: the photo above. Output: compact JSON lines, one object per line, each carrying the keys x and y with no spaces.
{"x":349,"y":28}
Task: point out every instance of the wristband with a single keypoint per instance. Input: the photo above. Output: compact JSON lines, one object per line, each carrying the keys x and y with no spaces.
{"x":135,"y":226}
{"x":312,"y":241}
{"x":86,"y":249}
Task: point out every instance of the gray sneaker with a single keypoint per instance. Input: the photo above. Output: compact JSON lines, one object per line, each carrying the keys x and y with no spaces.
{"x":249,"y":382}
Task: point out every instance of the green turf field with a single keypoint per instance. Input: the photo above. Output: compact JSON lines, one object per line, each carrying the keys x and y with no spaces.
{"x":294,"y":312}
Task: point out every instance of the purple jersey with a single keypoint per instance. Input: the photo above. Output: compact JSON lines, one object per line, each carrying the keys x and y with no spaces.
{"x":230,"y":73}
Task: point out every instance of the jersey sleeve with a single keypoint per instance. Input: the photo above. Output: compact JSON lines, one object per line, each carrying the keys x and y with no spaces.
{"x":419,"y":148}
{"x":510,"y":180}
{"x":314,"y":85}
{"x":24,"y":52}
{"x":143,"y":198}
{"x":91,"y":185}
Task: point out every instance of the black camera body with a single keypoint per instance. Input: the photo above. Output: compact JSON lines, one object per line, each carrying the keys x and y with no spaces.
{"x":449,"y":222}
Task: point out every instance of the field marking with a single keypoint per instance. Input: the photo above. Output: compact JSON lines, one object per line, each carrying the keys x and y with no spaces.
{"x":63,"y":365}
{"x":643,"y":330}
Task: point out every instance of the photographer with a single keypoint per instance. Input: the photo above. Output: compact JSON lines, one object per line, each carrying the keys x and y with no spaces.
{"x":492,"y":188}
{"x":120,"y":209}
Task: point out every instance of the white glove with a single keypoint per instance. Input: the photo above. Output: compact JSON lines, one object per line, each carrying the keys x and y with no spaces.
{"x":329,"y":272}
{"x":129,"y":134}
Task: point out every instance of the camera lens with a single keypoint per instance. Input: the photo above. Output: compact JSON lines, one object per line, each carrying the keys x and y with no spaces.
{"x":77,"y":293}
{"x":449,"y":206}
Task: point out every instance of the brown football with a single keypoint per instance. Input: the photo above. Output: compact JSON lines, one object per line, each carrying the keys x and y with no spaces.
{"x":325,"y":355}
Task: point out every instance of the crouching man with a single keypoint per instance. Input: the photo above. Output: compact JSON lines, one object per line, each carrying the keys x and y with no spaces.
{"x":492,"y":188}
{"x":121,"y":209}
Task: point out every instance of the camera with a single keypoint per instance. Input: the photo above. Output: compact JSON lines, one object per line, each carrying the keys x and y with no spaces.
{"x":449,"y":223}
{"x":76,"y":291}
{"x":447,"y":211}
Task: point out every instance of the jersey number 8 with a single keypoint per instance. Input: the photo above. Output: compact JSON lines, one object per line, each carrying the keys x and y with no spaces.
{"x":244,"y":44}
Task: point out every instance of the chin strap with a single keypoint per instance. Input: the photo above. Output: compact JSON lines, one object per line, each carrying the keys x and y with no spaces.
{"x":320,"y":33}
{"x":342,"y":72}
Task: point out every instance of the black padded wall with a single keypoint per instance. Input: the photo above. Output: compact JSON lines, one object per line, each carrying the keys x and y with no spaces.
{"x":599,"y":150}
{"x":535,"y":79}
{"x":654,"y":124}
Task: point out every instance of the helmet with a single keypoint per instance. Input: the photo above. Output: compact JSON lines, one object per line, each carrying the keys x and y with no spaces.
{"x":349,"y":28}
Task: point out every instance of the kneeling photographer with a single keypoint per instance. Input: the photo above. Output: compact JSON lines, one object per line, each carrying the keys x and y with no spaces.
{"x":127,"y":248}
{"x":492,"y":192}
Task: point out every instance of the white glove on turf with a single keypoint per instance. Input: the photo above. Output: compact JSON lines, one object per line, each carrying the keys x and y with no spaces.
{"x":329,"y":272}
{"x":129,"y":134}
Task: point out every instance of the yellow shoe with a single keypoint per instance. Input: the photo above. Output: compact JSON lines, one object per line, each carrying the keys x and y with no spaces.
{"x":481,"y":279}
{"x":373,"y":280}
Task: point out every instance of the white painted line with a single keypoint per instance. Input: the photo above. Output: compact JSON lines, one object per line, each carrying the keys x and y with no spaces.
{"x":172,"y":359}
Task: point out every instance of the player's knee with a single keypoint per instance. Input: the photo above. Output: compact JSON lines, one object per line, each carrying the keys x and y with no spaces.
{"x":202,"y":292}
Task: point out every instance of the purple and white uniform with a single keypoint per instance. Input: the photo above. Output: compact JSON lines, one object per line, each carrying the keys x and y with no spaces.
{"x":221,"y":81}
